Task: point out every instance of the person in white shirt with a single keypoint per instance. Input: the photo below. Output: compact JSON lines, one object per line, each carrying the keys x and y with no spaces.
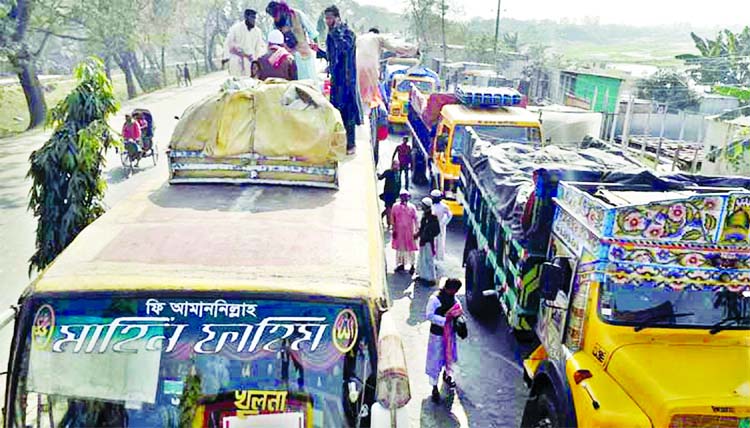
{"x":244,"y":44}
{"x":444,"y":216}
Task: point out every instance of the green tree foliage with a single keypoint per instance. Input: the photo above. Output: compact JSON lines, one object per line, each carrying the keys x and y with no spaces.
{"x":668,"y":86}
{"x":67,"y":188}
{"x":724,"y":60}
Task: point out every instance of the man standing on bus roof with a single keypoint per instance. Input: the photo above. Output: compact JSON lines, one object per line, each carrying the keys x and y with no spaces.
{"x":243,"y":45}
{"x":341,"y":52}
{"x":444,"y":216}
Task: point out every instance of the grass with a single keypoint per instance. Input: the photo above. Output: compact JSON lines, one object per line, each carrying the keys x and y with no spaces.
{"x":641,"y":51}
{"x":14,"y":115}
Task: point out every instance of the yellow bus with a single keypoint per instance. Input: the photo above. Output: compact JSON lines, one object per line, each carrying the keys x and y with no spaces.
{"x":216,"y":306}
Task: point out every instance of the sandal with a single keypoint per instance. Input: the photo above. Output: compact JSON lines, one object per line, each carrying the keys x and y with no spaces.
{"x":449,"y":381}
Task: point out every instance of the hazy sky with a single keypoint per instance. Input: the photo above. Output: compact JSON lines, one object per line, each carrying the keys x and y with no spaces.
{"x":631,"y":12}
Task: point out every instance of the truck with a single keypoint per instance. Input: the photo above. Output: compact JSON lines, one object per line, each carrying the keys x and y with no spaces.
{"x":399,"y":79}
{"x":439,"y":125}
{"x":640,"y":285}
{"x":215,"y":305}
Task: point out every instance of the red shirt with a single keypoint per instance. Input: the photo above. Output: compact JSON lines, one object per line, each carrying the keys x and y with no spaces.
{"x":131,"y":131}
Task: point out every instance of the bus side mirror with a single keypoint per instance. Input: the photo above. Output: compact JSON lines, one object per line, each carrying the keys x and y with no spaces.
{"x":551,"y":279}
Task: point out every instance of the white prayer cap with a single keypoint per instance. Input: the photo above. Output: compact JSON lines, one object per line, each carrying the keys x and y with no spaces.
{"x":427,"y":202}
{"x":436,"y":193}
{"x":275,"y":37}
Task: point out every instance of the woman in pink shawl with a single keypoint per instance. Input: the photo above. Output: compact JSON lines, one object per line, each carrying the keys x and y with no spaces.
{"x":405,"y":225}
{"x":442,"y":309}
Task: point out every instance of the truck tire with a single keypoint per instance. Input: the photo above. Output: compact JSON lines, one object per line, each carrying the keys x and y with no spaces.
{"x":476,"y":282}
{"x":541,"y":411}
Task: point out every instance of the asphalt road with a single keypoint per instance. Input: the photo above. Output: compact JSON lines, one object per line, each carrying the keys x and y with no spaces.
{"x":490,"y":389}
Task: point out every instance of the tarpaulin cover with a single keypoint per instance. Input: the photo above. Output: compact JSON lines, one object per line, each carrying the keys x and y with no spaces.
{"x":514,"y":173}
{"x":507,"y":170}
{"x":274,"y":118}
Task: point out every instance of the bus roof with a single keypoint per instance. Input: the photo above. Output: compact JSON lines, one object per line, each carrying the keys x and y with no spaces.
{"x":265,"y":239}
{"x":460,"y":114}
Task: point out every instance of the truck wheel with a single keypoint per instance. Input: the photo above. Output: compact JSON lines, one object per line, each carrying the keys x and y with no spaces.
{"x":541,"y":411}
{"x":479,"y":305}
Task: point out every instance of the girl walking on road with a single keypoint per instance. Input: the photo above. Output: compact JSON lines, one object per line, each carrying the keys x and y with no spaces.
{"x":442,"y":310}
{"x":405,"y":225}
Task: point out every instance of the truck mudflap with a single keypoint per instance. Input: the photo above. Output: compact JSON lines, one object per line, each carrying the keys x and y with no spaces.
{"x":195,"y":167}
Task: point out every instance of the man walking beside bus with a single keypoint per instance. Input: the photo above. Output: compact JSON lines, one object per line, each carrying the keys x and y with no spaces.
{"x":405,"y":226}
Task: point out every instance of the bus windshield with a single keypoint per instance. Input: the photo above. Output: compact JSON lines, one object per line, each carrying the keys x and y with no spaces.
{"x":405,"y":86}
{"x":495,"y":134}
{"x":666,"y":307}
{"x":172,"y":361}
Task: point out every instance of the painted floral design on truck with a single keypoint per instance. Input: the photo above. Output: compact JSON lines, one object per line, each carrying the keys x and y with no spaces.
{"x":694,"y":220}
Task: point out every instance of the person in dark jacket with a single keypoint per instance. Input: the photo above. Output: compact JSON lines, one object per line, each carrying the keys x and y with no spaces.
{"x":391,"y":190}
{"x":429,"y":229}
{"x":341,"y":51}
{"x":442,"y":309}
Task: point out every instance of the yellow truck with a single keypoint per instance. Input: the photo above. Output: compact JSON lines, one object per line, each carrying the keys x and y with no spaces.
{"x":400,"y":78}
{"x":216,"y":306}
{"x":644,"y":318}
{"x":439,"y":127}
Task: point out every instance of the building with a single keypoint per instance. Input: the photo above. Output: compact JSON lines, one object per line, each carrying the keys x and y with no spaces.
{"x":727,"y":145}
{"x":593,"y":91}
{"x":717,"y":104}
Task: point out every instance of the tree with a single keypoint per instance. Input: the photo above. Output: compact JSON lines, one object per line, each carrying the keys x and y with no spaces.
{"x":15,"y":19}
{"x":668,"y":86}
{"x":724,"y":60}
{"x":67,"y":186}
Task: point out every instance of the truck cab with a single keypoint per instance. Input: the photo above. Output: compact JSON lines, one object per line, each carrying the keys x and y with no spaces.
{"x":400,"y":85}
{"x":497,"y":125}
{"x":645,"y":309}
{"x":440,"y":127}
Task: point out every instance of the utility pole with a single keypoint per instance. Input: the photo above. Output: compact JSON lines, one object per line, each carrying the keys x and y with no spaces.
{"x":626,"y":124}
{"x":442,"y":22}
{"x":497,"y":31}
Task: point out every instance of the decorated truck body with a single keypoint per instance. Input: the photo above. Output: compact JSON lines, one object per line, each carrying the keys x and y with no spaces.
{"x":636,"y":286}
{"x":439,"y":122}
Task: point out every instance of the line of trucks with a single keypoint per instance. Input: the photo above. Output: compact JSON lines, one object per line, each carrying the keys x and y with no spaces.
{"x":635,"y":286}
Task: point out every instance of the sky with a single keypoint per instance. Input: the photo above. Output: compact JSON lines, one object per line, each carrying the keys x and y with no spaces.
{"x":699,"y":13}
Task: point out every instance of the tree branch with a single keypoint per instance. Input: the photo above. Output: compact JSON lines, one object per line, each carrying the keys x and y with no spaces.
{"x":48,"y":33}
{"x":42,"y":45}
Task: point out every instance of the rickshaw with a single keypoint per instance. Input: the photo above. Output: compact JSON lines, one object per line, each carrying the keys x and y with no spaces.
{"x":133,"y":152}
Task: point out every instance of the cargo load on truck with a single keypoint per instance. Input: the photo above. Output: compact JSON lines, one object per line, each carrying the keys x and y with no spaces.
{"x":508,"y":191}
{"x":234,"y":136}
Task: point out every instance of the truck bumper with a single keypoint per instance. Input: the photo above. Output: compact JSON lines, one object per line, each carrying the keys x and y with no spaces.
{"x":397,"y":119}
{"x":455,"y":206}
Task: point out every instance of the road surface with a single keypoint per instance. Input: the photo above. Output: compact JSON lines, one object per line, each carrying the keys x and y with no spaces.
{"x":490,"y":392}
{"x":490,"y":388}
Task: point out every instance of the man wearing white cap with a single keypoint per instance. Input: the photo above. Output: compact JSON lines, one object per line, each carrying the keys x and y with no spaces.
{"x":278,"y":61}
{"x":405,"y":225}
{"x":444,"y":216}
{"x":244,"y":44}
{"x":429,"y":229}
